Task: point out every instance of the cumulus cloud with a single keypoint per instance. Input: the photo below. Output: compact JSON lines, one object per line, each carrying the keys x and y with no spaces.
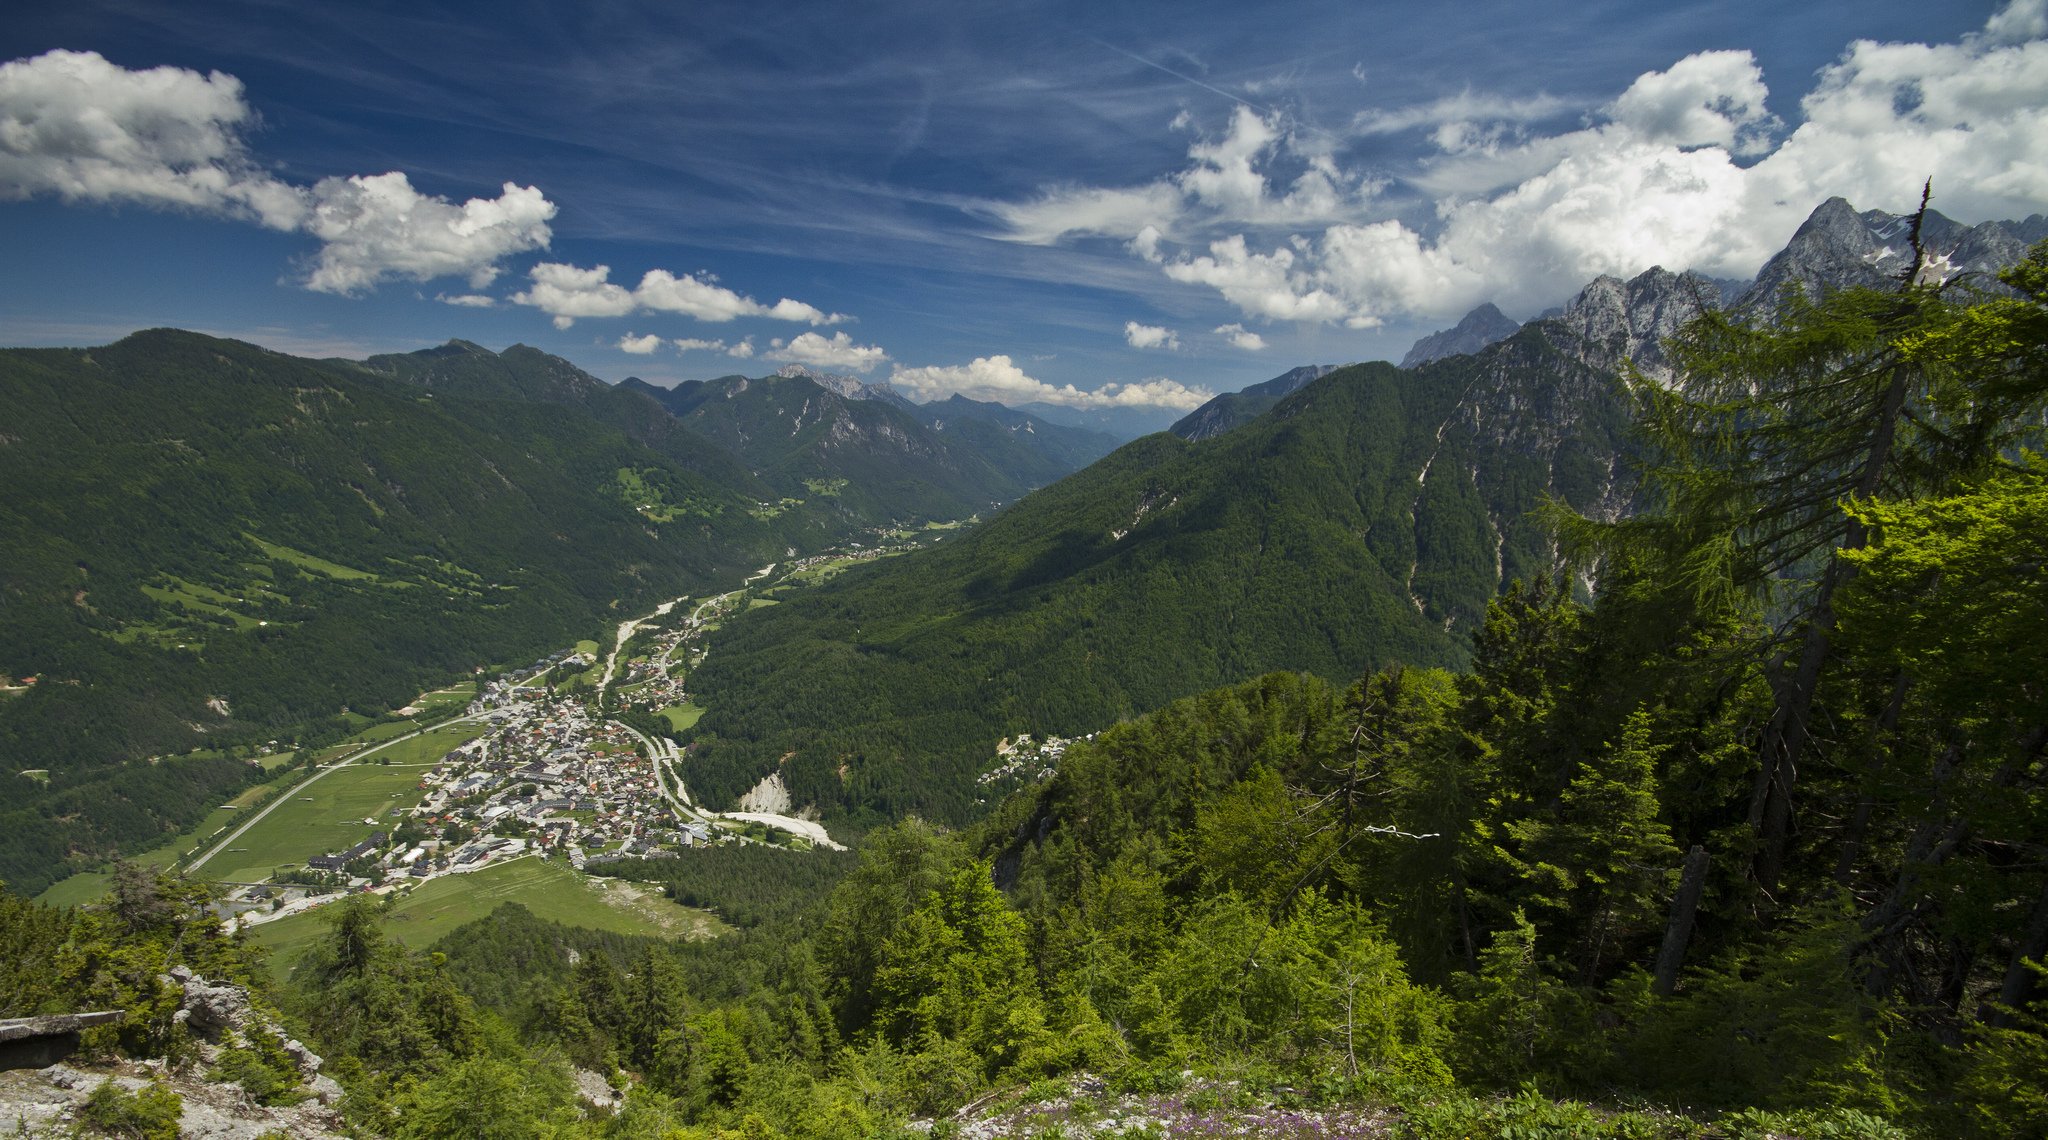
{"x":378,"y":226}
{"x":1149,"y":336}
{"x":998,"y":378}
{"x":743,"y":350}
{"x":74,"y":125}
{"x":569,"y":293}
{"x":87,"y":130}
{"x":837,"y":353}
{"x":1241,"y":337}
{"x":639,"y":345}
{"x":1688,"y":168}
{"x":693,"y":344}
{"x":467,"y":300}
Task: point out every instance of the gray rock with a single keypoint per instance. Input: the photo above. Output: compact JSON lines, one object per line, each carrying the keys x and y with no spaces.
{"x":325,"y":1089}
{"x":1482,"y":326}
{"x":210,"y":1009}
{"x":1837,"y":247}
{"x":1616,"y":320}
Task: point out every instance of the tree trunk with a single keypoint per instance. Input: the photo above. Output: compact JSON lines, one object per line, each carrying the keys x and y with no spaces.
{"x":1678,"y":932}
{"x":2019,"y":977}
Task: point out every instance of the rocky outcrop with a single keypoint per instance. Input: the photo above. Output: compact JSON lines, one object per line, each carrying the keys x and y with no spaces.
{"x":34,"y":1042}
{"x":1615,"y":321}
{"x":222,"y":1015}
{"x":46,"y":1102}
{"x":1482,"y":326}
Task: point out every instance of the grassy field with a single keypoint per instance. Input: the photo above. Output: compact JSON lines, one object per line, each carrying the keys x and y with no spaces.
{"x":684,"y":715}
{"x":548,"y":888}
{"x":328,"y":816}
{"x":311,"y":562}
{"x":86,"y":886}
{"x":459,"y":693}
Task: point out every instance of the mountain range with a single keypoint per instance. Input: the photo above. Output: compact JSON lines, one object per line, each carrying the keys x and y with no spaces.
{"x":1330,"y":519}
{"x":210,"y":542}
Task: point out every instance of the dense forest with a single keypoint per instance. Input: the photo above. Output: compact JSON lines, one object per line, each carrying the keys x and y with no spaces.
{"x":1366,"y":520}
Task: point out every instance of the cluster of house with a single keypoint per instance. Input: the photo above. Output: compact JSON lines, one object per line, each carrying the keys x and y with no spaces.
{"x":1027,"y":759}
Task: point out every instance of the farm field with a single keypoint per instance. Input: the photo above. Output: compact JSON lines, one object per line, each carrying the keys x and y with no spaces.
{"x":423,"y":915}
{"x":328,"y":816}
{"x":86,"y":886}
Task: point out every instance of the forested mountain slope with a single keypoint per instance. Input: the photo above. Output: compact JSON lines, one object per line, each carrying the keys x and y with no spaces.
{"x":1365,"y":520}
{"x":865,"y":461}
{"x":1030,"y":449}
{"x":208,"y":541}
{"x":460,"y":368}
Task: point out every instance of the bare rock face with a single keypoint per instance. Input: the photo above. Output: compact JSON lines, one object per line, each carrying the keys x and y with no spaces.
{"x":1618,"y":320}
{"x":46,"y":1102}
{"x":207,"y":1009}
{"x":1837,"y":247}
{"x":1482,"y":326}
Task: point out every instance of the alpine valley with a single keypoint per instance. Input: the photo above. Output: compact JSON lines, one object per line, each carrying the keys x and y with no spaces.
{"x":1624,"y":723}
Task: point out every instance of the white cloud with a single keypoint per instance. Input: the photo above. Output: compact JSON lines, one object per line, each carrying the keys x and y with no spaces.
{"x":639,"y":345}
{"x":378,"y":226}
{"x":1227,"y":177}
{"x":1241,"y":337}
{"x":743,"y":350}
{"x":1149,"y":336}
{"x":1076,"y":210}
{"x":1466,"y":110}
{"x":74,"y":125}
{"x":838,"y":353}
{"x":706,"y":300}
{"x":2018,"y":22}
{"x":693,"y":344}
{"x":467,"y":300}
{"x":1687,"y":168}
{"x":998,"y":378}
{"x":568,"y":293}
{"x":1713,"y":98}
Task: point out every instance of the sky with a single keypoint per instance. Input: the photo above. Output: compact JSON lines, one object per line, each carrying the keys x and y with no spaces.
{"x":1103,"y":205}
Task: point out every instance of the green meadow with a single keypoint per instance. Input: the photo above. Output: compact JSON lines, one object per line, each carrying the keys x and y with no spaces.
{"x":423,"y":915}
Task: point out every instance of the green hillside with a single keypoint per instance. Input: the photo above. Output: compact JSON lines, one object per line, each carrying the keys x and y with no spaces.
{"x":209,"y":541}
{"x":864,"y":462}
{"x":1365,"y":521}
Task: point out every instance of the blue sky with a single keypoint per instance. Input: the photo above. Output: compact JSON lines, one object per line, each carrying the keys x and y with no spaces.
{"x":1129,"y":204}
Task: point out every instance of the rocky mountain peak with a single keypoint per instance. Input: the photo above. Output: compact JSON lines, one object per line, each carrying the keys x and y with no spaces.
{"x":1482,"y":326}
{"x":845,"y":387}
{"x":1837,"y":247}
{"x":1617,"y":320}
